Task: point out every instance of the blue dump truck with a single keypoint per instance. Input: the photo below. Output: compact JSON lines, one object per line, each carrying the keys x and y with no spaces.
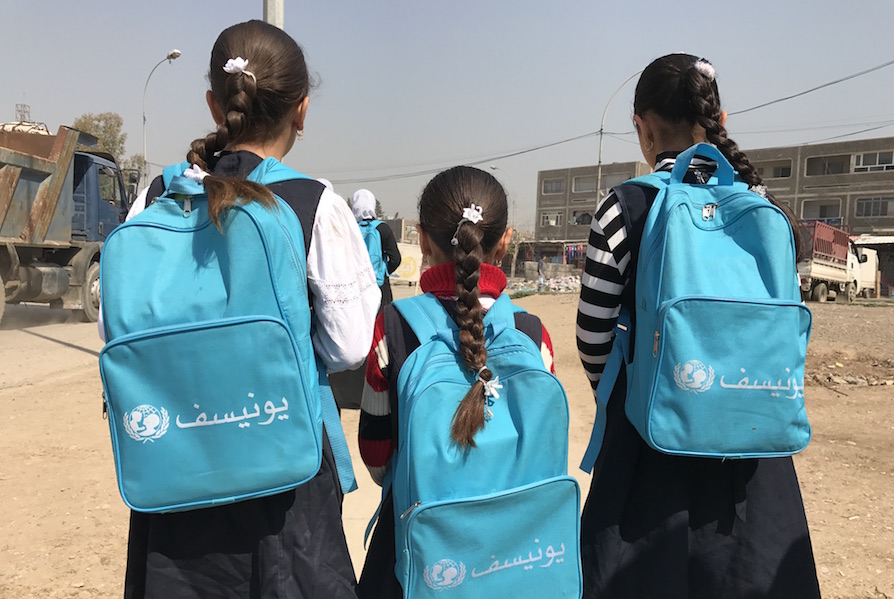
{"x":57,"y":206}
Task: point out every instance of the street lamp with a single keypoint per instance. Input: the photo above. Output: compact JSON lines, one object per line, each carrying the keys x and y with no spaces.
{"x":512,"y":223}
{"x":601,"y":131}
{"x":172,"y":55}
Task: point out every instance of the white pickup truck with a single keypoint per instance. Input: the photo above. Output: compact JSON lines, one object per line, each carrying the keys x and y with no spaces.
{"x":830,"y":264}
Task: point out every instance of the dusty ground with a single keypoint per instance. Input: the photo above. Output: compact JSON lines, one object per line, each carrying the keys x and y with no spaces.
{"x":64,"y":527}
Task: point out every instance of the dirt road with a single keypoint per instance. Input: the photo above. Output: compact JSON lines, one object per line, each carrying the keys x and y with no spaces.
{"x":64,"y":527}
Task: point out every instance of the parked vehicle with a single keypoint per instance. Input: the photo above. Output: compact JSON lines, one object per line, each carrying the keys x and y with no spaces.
{"x":868,"y":269}
{"x":829,"y":266}
{"x":57,"y":205}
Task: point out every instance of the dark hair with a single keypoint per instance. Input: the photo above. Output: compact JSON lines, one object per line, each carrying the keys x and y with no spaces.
{"x":256,"y":108}
{"x":441,"y":208}
{"x":675,"y":90}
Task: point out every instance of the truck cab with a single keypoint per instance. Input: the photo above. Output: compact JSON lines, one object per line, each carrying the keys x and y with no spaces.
{"x":57,"y":206}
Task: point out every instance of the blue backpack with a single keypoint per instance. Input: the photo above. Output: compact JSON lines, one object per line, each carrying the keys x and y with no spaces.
{"x":720,"y":333}
{"x":502,"y":517}
{"x":213,"y":390}
{"x":373,"y":239}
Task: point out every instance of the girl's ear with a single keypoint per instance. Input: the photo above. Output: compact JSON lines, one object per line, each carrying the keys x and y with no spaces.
{"x":424,"y":241}
{"x":216,"y":111}
{"x":500,"y":249}
{"x":302,"y":112}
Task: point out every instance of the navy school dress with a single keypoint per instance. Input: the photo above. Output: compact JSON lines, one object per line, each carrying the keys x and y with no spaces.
{"x":656,"y":525}
{"x":285,"y":546}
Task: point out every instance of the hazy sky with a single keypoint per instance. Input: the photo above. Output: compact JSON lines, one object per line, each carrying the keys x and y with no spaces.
{"x":410,"y":86}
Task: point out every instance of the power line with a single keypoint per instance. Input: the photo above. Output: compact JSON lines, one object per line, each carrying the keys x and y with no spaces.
{"x":813,"y":89}
{"x":433,"y":170}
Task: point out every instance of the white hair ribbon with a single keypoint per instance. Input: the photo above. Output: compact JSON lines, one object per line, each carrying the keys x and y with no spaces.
{"x":237,"y":65}
{"x":194,"y":173}
{"x":473,"y":215}
{"x":705,"y":68}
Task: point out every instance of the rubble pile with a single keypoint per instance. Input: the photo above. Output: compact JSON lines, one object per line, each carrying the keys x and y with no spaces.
{"x":569,"y":284}
{"x":880,"y":373}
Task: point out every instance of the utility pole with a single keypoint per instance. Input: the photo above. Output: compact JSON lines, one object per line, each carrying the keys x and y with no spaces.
{"x":274,"y":13}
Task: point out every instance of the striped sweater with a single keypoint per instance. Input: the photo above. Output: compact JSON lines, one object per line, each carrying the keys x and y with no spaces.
{"x":377,"y":435}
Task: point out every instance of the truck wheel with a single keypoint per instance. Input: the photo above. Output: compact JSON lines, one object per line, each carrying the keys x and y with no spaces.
{"x":850,"y":292}
{"x":867,"y":293}
{"x":90,"y":295}
{"x":820,"y":292}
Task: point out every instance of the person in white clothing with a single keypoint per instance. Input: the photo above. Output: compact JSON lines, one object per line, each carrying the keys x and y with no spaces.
{"x":290,"y":544}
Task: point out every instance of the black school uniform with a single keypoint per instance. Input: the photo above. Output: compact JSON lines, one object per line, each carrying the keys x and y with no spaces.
{"x":285,"y":546}
{"x":656,"y":525}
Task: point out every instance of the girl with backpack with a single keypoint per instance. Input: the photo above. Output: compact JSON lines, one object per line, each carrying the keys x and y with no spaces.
{"x":660,"y":525}
{"x":290,"y":544}
{"x":463,"y":232}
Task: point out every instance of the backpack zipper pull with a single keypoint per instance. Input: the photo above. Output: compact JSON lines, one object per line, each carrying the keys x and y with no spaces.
{"x":410,"y":509}
{"x":655,"y":346}
{"x":187,"y":207}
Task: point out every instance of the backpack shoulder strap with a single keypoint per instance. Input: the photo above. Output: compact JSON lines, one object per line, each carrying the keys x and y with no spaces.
{"x":272,"y":171}
{"x":427,"y":317}
{"x":174,"y":170}
{"x":501,"y":314}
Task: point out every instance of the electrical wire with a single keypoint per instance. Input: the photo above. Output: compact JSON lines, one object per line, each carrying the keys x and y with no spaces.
{"x":813,"y":89}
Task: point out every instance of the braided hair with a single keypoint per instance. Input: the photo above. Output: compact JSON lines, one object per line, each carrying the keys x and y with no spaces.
{"x":441,"y":208}
{"x":681,"y":90}
{"x":257,"y":106}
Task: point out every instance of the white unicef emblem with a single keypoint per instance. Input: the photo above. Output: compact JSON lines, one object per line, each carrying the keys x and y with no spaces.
{"x":694,"y":376}
{"x":146,"y":423}
{"x":445,"y":574}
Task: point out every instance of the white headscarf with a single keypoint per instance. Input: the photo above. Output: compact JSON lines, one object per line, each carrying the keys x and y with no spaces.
{"x":363,"y":203}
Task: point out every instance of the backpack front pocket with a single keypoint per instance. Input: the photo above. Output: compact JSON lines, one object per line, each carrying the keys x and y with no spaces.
{"x":522,"y":542}
{"x":727,"y":378}
{"x":210,"y":413}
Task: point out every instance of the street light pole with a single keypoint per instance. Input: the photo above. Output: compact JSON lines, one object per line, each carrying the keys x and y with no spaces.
{"x":512,"y":214}
{"x":172,"y":55}
{"x":601,"y":133}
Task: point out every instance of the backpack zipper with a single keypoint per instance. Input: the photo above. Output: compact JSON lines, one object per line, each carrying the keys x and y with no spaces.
{"x":655,"y":345}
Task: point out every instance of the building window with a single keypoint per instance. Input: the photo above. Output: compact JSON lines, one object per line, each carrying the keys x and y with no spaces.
{"x":828,"y":165}
{"x":782,"y":172}
{"x":551,"y":219}
{"x":585,"y":184}
{"x":821,"y":209}
{"x":874,"y":161}
{"x":553,"y":186}
{"x":581,"y":217}
{"x":870,"y":207}
{"x":778,"y":169}
{"x":612,"y":180}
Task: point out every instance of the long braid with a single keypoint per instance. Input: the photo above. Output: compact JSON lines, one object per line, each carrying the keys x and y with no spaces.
{"x":706,"y":102}
{"x":441,"y":208}
{"x":469,"y":416}
{"x":256,"y":107}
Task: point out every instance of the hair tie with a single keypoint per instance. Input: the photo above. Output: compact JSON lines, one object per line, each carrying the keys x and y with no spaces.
{"x":705,"y":68}
{"x":760,"y":190}
{"x":473,"y":215}
{"x":194,"y":173}
{"x":237,"y":65}
{"x":490,"y":393}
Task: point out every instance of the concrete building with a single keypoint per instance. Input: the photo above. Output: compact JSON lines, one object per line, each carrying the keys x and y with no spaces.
{"x":566,"y":197}
{"x":849,"y":184}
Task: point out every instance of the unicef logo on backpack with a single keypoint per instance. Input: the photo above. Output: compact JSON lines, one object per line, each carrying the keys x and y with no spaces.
{"x":146,"y":423}
{"x":693,"y":376}
{"x":445,"y":574}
